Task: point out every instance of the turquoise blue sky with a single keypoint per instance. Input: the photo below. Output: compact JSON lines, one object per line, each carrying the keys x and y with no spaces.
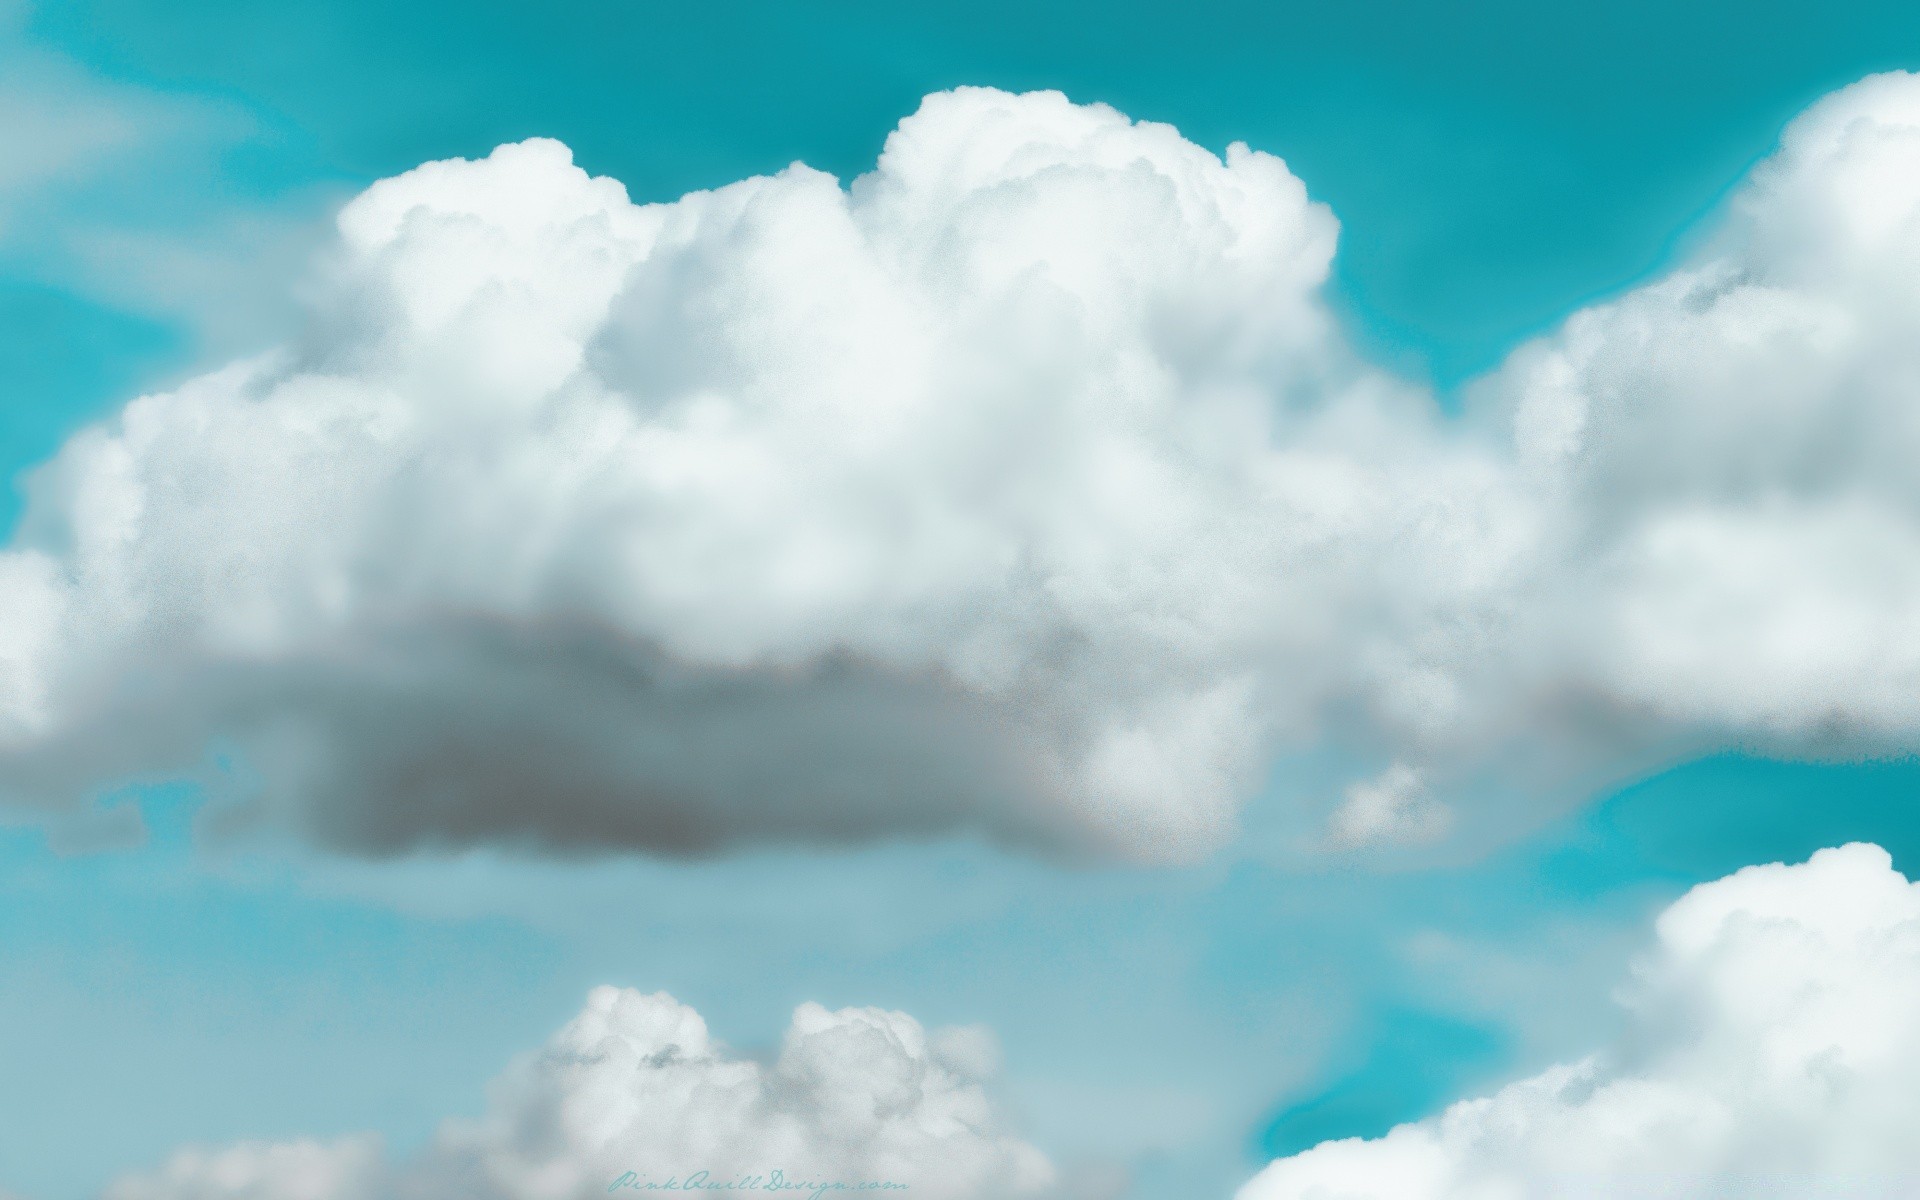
{"x":1494,"y":166}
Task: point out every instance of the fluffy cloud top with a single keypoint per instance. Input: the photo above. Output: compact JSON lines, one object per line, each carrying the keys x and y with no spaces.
{"x":779,"y":511}
{"x":1730,"y":447}
{"x":1025,"y":485}
{"x":635,"y":1084}
{"x":1771,"y":1055}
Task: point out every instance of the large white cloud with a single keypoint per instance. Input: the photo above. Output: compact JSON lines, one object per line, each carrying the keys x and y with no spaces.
{"x":1770,"y":1055}
{"x":961,"y":498}
{"x":1025,"y":486}
{"x":634,"y":1085}
{"x":1731,"y":446}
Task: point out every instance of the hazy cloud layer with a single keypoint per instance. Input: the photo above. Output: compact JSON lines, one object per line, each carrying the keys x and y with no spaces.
{"x":135,"y":198}
{"x":1026,"y":485}
{"x":636,"y":1084}
{"x":1770,"y":1055}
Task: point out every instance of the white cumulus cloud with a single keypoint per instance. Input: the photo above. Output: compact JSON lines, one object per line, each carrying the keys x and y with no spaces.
{"x":1729,"y":447}
{"x":955,"y":499}
{"x":1770,"y":1055}
{"x":1025,"y":485}
{"x":634,"y":1086}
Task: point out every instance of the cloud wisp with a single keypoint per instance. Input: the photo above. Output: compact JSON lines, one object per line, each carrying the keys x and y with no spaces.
{"x":127,"y":196}
{"x":1024,"y":486}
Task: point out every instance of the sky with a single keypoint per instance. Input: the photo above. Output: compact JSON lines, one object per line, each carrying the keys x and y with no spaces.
{"x":1306,"y":885}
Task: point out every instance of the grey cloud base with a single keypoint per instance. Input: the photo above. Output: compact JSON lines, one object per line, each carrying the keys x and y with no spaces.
{"x":1024,"y":486}
{"x":561,"y":739}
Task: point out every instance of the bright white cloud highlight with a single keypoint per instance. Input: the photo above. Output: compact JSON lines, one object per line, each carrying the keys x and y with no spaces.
{"x":1026,"y":486}
{"x":636,"y":1084}
{"x":1770,"y":1055}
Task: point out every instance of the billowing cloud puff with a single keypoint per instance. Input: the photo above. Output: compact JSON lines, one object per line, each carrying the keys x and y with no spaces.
{"x":1730,"y":447}
{"x":635,"y":1088}
{"x":1025,"y":486}
{"x":1770,"y":1055}
{"x":960,"y":498}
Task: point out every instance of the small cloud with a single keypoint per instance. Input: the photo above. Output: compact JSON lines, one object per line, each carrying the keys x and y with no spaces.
{"x":1392,"y":808}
